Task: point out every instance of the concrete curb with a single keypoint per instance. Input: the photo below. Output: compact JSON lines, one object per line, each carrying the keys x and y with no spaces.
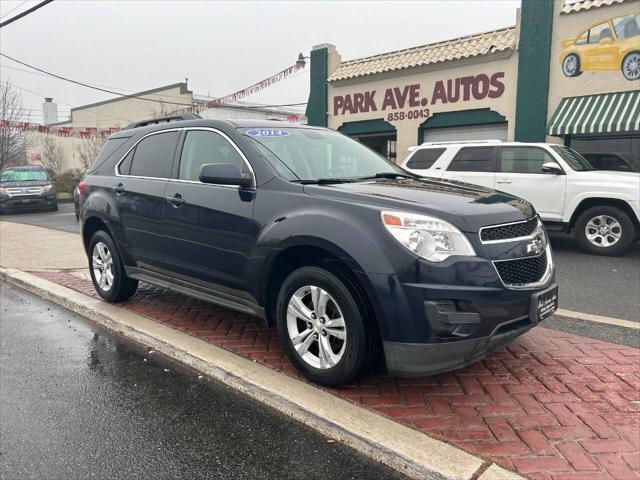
{"x":402,"y":448}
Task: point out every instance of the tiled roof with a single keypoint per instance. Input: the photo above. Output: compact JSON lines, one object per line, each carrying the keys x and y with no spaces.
{"x":587,"y":4}
{"x":462,"y":47}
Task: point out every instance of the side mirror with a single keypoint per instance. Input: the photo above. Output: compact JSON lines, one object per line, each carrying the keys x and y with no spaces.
{"x":224,"y":174}
{"x":552,"y":167}
{"x":605,"y":41}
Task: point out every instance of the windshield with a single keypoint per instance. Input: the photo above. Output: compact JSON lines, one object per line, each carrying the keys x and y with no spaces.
{"x":23,"y":175}
{"x":302,"y":154}
{"x":576,"y":161}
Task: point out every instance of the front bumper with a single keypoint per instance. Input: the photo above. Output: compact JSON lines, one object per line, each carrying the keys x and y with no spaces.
{"x":439,"y":317}
{"x":417,"y":359}
{"x":27,"y":203}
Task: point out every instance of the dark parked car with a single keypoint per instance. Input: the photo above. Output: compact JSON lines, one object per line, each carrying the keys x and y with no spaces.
{"x":26,"y":188}
{"x":618,"y":162}
{"x":342,"y":250}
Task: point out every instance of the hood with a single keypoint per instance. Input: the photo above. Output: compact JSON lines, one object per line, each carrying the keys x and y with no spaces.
{"x":27,"y":183}
{"x":467,"y":206}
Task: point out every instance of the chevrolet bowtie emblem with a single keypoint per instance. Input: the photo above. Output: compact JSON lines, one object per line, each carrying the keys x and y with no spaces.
{"x":538,"y":243}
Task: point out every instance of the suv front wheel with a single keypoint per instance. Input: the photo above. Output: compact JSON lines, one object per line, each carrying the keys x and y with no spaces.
{"x":107,"y":271}
{"x":604,"y":231}
{"x":322,"y":327}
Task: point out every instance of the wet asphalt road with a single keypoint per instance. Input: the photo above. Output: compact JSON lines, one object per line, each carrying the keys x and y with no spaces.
{"x":77,"y":402}
{"x":608,"y":286}
{"x":64,"y":219}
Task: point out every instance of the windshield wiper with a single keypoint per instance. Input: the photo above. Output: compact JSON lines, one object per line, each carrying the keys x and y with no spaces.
{"x":325,"y":181}
{"x":388,"y":175}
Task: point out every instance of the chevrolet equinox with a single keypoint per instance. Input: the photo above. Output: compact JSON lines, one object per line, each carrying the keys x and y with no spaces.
{"x":342,"y":250}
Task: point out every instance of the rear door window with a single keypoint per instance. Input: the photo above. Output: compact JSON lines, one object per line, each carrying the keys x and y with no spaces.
{"x":474,"y":159}
{"x":153,"y":156}
{"x":424,"y":158}
{"x":523,"y":159}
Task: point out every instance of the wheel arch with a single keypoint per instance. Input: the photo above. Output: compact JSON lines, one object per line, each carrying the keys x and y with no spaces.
{"x":317,"y":252}
{"x":591,"y":202}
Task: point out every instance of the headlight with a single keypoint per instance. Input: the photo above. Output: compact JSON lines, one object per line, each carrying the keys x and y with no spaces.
{"x":431,"y":238}
{"x":47,"y":188}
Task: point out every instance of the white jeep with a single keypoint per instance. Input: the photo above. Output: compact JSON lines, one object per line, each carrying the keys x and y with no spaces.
{"x":602,"y":207}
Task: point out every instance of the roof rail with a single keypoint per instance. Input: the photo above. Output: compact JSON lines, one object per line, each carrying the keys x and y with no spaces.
{"x":461,"y":141}
{"x":167,"y":119}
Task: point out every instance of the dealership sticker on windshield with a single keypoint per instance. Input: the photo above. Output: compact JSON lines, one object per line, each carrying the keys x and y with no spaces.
{"x":267,"y":132}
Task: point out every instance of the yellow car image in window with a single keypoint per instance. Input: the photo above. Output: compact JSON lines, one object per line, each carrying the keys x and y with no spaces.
{"x":608,"y":45}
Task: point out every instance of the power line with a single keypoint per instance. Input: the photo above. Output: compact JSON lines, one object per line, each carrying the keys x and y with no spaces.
{"x":25,"y":13}
{"x":96,"y":84}
{"x":112,"y":92}
{"x":41,"y":95}
{"x":13,"y":9}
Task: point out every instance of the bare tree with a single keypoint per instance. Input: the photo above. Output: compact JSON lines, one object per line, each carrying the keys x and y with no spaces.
{"x":89,"y":148}
{"x":12,"y":139}
{"x":162,"y":110}
{"x":52,"y":155}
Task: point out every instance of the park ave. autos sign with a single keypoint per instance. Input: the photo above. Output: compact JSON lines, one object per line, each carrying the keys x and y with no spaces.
{"x":412,"y":102}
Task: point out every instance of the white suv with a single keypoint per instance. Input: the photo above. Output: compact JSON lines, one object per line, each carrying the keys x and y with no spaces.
{"x":603,"y":208}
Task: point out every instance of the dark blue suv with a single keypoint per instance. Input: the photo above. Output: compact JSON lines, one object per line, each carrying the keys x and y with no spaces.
{"x":346,"y":253}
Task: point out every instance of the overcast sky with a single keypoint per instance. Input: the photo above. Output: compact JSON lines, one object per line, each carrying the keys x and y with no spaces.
{"x":220,"y":46}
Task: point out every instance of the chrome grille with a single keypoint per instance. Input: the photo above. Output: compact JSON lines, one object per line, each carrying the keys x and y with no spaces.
{"x":509,"y":230}
{"x":24,"y":191}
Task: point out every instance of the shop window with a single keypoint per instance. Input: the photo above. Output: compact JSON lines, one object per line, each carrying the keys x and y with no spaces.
{"x":424,"y":158}
{"x":474,"y":159}
{"x":523,"y":159}
{"x":599,"y":33}
{"x":620,"y":153}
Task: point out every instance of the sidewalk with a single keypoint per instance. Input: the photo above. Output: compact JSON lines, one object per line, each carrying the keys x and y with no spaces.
{"x":550,"y":406}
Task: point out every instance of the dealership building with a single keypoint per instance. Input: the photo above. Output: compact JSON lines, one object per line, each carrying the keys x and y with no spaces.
{"x":567,"y":72}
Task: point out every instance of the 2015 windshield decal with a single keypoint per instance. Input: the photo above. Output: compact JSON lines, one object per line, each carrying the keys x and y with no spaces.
{"x":267,"y":132}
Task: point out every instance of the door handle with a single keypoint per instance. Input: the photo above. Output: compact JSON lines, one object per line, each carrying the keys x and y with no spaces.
{"x":503,"y":181}
{"x":176,"y":200}
{"x":119,"y":188}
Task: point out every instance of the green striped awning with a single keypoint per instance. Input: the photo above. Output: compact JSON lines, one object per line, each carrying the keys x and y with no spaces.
{"x":605,"y":113}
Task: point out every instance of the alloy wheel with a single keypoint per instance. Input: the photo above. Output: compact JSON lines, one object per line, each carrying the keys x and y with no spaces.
{"x":603,"y":231}
{"x":316,"y":327}
{"x":631,"y":66}
{"x":570,"y":65}
{"x":102,"y":264}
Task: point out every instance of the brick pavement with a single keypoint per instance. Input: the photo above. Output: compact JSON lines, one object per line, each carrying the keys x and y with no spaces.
{"x":551,"y":406}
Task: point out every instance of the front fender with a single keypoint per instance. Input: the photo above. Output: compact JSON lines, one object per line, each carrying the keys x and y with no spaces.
{"x":359,"y":244}
{"x":576,"y":200}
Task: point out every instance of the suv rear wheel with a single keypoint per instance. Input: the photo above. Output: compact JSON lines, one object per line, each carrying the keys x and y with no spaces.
{"x":107,"y":271}
{"x":322,"y":328}
{"x":604,"y":231}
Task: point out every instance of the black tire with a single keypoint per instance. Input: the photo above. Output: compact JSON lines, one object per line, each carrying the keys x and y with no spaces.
{"x":626,"y":74}
{"x":54,"y":208}
{"x":627,"y":233}
{"x":568,"y":72}
{"x":122,"y":287}
{"x":360,"y":333}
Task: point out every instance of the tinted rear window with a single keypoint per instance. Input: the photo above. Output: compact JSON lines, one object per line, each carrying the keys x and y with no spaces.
{"x":110,"y":147}
{"x":424,"y":158}
{"x":474,"y":159}
{"x":154,"y":155}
